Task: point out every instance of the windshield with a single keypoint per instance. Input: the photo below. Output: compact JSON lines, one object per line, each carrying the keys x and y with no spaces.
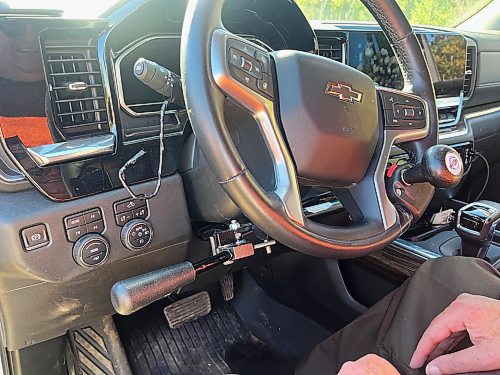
{"x":71,"y":8}
{"x":445,"y":13}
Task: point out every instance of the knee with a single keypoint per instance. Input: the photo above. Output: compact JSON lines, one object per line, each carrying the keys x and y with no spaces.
{"x":449,"y":268}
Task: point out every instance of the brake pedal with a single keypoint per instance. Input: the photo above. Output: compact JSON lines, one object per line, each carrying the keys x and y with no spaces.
{"x":227,"y":287}
{"x":188,"y":309}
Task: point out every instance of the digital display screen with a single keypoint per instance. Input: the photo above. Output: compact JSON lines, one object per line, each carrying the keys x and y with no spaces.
{"x":372,"y":54}
{"x":446,"y":56}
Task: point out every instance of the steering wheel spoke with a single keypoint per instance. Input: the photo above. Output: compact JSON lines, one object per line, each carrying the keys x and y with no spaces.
{"x":242,"y":70}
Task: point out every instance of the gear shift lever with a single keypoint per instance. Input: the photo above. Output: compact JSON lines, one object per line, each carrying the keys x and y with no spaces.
{"x":476,"y":226}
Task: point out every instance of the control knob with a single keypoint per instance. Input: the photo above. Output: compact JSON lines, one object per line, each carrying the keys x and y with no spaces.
{"x":91,"y":250}
{"x":137,"y":234}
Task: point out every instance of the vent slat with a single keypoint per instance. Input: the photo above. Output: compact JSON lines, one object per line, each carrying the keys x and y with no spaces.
{"x":73,"y":113}
{"x":333,"y":48}
{"x":76,"y":112}
{"x":82,"y":99}
{"x":469,"y":71}
{"x":65,"y":74}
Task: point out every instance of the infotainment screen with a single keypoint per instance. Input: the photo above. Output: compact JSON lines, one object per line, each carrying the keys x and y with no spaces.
{"x":446,"y":55}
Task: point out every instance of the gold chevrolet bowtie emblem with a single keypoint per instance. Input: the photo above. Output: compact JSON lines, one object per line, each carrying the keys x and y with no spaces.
{"x":344,"y":92}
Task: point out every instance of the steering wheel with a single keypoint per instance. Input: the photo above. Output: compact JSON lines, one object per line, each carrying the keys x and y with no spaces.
{"x":324,"y":123}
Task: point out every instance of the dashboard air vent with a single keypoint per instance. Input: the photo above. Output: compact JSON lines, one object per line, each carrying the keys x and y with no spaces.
{"x":76,"y":90}
{"x":333,"y":47}
{"x":469,"y":70}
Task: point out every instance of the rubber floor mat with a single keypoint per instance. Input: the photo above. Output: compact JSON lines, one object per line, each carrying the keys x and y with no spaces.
{"x":217,"y":343}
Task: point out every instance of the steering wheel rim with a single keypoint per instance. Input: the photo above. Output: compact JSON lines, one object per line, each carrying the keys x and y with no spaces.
{"x":279,"y":213}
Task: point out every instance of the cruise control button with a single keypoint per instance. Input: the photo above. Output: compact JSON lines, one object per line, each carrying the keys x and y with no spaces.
{"x":241,"y":47}
{"x":246,"y":64}
{"x":123,"y":218}
{"x":265,"y":85}
{"x":95,"y":227}
{"x":74,"y":221}
{"x":35,"y":236}
{"x":92,"y":216}
{"x":244,"y":78}
{"x":265,"y":60}
{"x":74,"y":234}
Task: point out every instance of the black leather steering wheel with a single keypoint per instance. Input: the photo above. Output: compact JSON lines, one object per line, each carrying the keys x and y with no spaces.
{"x":323,"y":122}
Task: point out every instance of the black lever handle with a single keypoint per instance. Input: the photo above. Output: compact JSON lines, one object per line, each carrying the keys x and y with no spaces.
{"x":441,"y":166}
{"x":160,"y":79}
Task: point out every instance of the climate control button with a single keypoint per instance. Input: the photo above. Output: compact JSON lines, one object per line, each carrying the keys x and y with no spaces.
{"x":137,"y":234}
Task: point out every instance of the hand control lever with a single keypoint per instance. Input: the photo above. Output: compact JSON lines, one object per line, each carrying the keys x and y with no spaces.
{"x":476,"y":226}
{"x":131,"y":295}
{"x":441,"y":166}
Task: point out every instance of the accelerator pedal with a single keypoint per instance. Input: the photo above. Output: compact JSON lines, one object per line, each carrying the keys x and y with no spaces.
{"x":227,"y":287}
{"x":188,"y":309}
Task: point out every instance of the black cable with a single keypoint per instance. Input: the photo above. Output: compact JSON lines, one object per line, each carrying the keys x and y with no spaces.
{"x":487,"y":176}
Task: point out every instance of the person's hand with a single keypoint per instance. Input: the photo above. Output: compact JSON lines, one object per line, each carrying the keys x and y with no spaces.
{"x":370,"y":364}
{"x":477,"y":316}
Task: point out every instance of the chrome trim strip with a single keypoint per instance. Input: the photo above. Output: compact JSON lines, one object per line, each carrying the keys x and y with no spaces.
{"x":73,"y":150}
{"x":118,"y":76}
{"x":455,"y":102}
{"x":415,"y":249}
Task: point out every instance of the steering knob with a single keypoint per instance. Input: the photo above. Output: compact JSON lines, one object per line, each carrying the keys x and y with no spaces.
{"x":441,"y":166}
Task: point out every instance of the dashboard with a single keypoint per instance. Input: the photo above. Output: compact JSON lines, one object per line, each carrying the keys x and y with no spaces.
{"x":61,"y":166}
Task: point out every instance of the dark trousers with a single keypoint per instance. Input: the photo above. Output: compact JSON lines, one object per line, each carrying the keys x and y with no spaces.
{"x":393,"y":327}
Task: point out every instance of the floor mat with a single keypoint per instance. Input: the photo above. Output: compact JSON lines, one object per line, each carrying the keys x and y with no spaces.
{"x":218,"y":343}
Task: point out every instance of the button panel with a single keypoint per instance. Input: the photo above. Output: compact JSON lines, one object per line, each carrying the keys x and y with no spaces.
{"x":403,"y":111}
{"x":35,"y":237}
{"x":80,"y":224}
{"x":130,"y":209}
{"x":250,"y":66}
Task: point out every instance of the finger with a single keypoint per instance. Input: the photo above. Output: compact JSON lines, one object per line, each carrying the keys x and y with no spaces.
{"x":446,"y":345}
{"x":473,"y":359}
{"x":443,"y":325}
